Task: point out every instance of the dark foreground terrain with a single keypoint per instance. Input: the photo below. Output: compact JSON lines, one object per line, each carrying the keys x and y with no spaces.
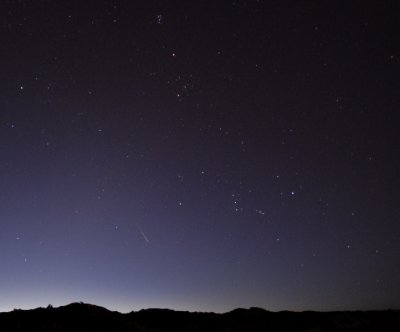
{"x":86,"y":317}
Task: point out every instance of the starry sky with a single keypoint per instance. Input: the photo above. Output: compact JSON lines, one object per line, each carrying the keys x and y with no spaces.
{"x":199,"y":155}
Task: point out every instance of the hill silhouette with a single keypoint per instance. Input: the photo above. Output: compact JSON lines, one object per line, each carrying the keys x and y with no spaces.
{"x":80,"y":317}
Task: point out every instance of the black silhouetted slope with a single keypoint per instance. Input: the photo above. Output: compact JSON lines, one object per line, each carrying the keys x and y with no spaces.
{"x":72,"y":317}
{"x":79,"y":317}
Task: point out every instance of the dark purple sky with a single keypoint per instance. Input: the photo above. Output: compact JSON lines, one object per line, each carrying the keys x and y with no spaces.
{"x":199,"y":155}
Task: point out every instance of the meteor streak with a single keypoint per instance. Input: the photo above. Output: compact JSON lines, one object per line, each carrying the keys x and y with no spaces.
{"x":143,"y":234}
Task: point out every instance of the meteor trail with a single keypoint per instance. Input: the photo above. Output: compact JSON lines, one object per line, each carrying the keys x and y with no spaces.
{"x":143,"y":235}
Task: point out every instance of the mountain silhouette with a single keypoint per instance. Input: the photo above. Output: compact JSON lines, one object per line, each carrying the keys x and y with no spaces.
{"x":82,"y":317}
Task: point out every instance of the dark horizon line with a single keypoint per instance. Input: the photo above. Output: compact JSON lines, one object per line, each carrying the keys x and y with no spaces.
{"x":81,"y":303}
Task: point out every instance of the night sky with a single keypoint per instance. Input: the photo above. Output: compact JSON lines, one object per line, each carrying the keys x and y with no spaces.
{"x":199,"y":155}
